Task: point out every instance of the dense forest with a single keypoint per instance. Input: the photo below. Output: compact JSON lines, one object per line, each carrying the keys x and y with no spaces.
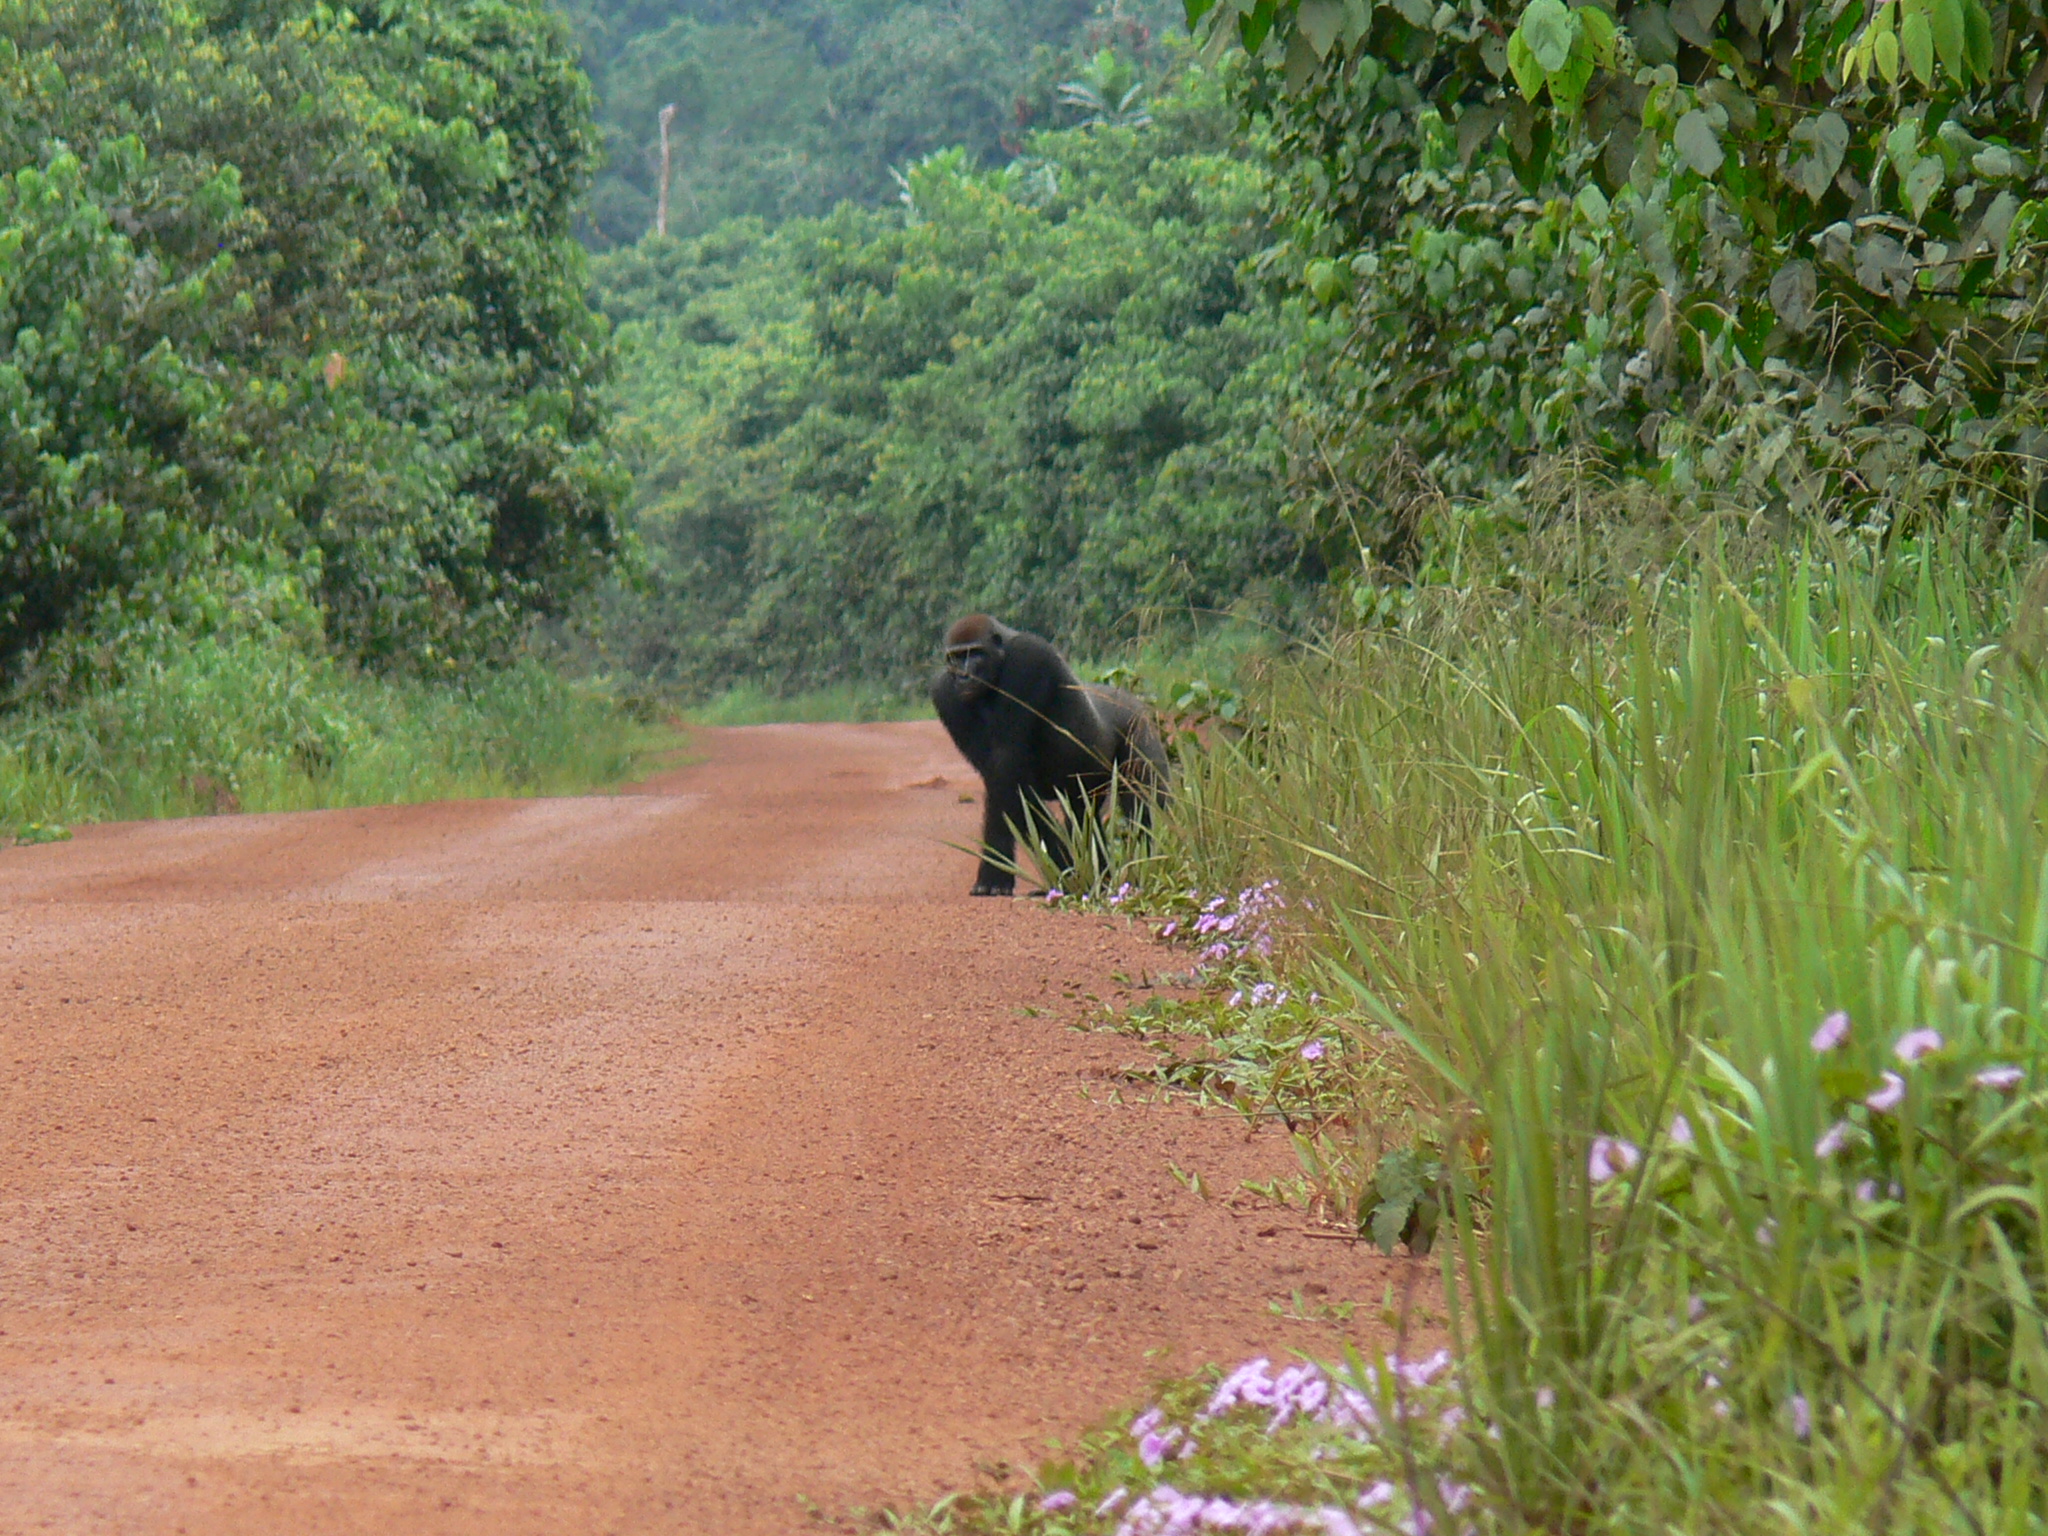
{"x":1044,"y":389}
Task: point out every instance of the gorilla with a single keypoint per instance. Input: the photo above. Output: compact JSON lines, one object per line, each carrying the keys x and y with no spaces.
{"x":1037,"y":734}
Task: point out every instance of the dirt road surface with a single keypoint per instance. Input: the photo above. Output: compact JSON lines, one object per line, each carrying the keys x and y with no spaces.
{"x":685,"y":1160}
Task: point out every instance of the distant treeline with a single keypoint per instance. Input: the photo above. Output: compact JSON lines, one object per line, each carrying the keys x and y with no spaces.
{"x":789,"y":107}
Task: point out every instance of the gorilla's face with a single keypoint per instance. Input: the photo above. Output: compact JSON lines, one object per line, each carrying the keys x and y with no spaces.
{"x":976,"y":665}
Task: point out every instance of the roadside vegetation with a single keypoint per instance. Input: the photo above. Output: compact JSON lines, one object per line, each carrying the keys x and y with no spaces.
{"x":305,"y":411}
{"x":238,"y":725}
{"x":1660,"y":960}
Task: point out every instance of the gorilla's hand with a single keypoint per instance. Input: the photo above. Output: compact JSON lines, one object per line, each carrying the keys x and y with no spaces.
{"x":995,"y":885}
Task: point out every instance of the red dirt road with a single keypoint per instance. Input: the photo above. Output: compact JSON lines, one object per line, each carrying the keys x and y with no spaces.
{"x":652,"y":1162}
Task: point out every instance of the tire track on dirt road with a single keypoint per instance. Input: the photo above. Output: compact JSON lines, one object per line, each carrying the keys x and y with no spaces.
{"x":648,"y":1162}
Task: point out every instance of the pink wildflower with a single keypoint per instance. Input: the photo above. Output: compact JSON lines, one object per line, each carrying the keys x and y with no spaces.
{"x":1059,"y":1498}
{"x":1999,"y":1078}
{"x":1834,"y":1029}
{"x":1379,"y":1493}
{"x":1917,"y":1043}
{"x":1890,"y":1096}
{"x":1681,"y":1131}
{"x":1313,"y":1051}
{"x":1832,"y":1140}
{"x":1420,"y":1373}
{"x":1802,"y":1417}
{"x":1610,"y":1155}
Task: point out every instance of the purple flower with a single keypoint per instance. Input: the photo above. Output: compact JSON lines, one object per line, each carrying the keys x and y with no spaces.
{"x":1767,"y":1233}
{"x":1610,"y":1155}
{"x":1379,"y":1493}
{"x":1313,"y":1051}
{"x":1917,"y":1043}
{"x":2000,"y":1078}
{"x":1867,"y":1191}
{"x":1695,"y":1308}
{"x":1053,"y":895}
{"x":1154,"y":1445}
{"x":1146,"y":1422}
{"x":1890,"y":1096}
{"x":1681,"y":1131}
{"x":1546,"y":1397}
{"x":1832,"y":1140}
{"x":1059,"y":1498}
{"x":1802,"y":1417}
{"x":1420,"y":1373}
{"x":1834,"y":1029}
{"x":1168,"y":929}
{"x":1115,"y":1497}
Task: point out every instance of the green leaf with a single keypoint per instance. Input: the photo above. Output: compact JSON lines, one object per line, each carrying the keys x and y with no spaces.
{"x":1697,"y":143}
{"x":1694,"y":21}
{"x":1945,"y":19}
{"x":1301,"y":62}
{"x":1916,"y":43}
{"x":1977,"y":38}
{"x":1650,"y":26}
{"x":1814,"y":152}
{"x":1196,"y":10}
{"x":1995,"y":228}
{"x":1597,"y":29}
{"x":1921,"y":183}
{"x":1324,"y":280}
{"x":1321,"y":20}
{"x":1792,"y":294}
{"x":1549,"y":28}
{"x":1568,"y":85}
{"x":1886,"y":51}
{"x":1523,"y":66}
{"x":1994,"y":162}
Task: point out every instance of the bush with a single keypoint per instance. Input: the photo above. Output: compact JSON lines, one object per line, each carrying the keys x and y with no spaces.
{"x":245,"y":723}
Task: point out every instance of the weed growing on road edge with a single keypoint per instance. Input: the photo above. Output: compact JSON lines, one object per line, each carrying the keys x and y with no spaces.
{"x":238,"y":724}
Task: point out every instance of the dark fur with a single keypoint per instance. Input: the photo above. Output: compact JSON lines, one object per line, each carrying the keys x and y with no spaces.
{"x":1036,"y":733}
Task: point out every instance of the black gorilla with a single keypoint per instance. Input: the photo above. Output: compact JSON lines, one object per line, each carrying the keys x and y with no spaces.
{"x":1036,"y":733}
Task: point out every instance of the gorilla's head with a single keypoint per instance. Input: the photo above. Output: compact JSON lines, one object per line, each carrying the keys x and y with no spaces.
{"x":974,"y":653}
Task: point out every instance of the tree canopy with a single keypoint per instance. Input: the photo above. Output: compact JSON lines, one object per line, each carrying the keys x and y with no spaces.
{"x":1045,"y":389}
{"x":292,"y":326}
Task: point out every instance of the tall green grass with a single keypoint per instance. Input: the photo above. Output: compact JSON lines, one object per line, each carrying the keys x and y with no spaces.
{"x":247,"y":724}
{"x":1605,"y":858}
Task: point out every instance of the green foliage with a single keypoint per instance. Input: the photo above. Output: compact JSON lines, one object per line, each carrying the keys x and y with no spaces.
{"x":289,"y":304}
{"x":241,"y":722}
{"x":1790,"y":254}
{"x":1042,"y":390}
{"x":788,"y":108}
{"x":1604,"y":853}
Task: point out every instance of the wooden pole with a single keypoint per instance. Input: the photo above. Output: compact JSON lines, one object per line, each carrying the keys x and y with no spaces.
{"x":666,"y":114}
